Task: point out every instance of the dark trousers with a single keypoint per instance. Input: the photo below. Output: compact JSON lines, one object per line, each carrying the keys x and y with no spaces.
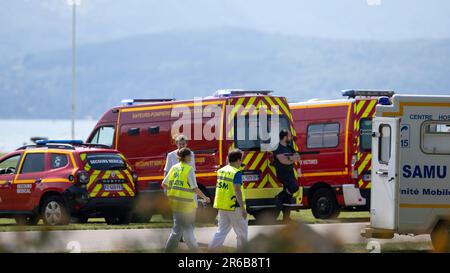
{"x":290,"y":187}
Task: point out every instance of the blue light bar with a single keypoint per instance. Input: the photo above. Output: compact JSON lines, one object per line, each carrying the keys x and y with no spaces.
{"x":384,"y":101}
{"x":71,"y":142}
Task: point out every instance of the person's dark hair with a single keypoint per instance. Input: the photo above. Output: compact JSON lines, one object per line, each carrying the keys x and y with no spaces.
{"x":283,"y":133}
{"x":234,"y":155}
{"x":183,"y":153}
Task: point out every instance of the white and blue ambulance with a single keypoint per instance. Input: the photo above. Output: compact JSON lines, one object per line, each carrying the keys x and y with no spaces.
{"x":410,"y":168}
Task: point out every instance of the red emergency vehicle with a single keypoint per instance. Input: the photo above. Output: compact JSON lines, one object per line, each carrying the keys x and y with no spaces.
{"x":141,"y":130}
{"x":55,"y":180}
{"x":334,"y":137}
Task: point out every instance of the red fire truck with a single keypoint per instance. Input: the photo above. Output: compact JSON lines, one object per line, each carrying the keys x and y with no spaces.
{"x":141,"y":130}
{"x":334,"y":137}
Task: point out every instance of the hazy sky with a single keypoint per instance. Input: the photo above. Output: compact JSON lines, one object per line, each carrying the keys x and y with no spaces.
{"x":32,"y":25}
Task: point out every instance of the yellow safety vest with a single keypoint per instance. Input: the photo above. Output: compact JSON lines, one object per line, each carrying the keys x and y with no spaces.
{"x":225,"y":198}
{"x":179,"y":192}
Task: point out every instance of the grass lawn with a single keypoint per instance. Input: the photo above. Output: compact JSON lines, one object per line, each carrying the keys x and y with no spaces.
{"x":158,"y":222}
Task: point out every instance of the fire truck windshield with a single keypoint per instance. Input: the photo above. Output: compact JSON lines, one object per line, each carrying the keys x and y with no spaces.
{"x":246,"y":132}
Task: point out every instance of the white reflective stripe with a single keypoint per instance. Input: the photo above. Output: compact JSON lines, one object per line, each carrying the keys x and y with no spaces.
{"x":182,"y":189}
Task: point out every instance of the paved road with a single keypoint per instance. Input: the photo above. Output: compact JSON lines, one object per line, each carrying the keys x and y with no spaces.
{"x":154,"y":239}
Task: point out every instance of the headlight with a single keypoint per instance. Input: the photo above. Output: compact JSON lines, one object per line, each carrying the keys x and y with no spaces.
{"x":83,"y":177}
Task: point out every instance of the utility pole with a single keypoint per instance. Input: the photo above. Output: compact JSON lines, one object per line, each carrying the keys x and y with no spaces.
{"x":74,"y":4}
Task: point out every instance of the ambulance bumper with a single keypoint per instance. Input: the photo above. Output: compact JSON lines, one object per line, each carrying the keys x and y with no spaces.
{"x":352,"y":196}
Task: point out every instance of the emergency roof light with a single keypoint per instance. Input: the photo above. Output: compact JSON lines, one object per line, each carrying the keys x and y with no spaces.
{"x":352,"y":93}
{"x":133,"y":101}
{"x":384,"y":101}
{"x":70,"y":142}
{"x":237,"y":92}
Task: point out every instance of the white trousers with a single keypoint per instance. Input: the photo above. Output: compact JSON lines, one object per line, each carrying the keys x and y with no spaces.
{"x":228,"y":220}
{"x":183,"y":225}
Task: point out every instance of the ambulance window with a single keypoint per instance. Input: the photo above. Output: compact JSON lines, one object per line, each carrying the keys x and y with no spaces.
{"x":365,"y":132}
{"x":104,"y":135}
{"x":33,"y":163}
{"x":58,"y":161}
{"x":325,"y":135}
{"x":245,"y":138}
{"x":436,"y":137}
{"x":384,"y":144}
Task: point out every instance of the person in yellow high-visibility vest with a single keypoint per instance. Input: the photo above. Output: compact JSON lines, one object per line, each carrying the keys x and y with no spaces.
{"x":181,"y":185}
{"x":230,"y":201}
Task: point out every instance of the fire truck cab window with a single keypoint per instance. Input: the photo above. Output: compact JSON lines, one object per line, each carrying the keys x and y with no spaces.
{"x":104,"y":135}
{"x":34,"y":163}
{"x":365,"y":132}
{"x":324,"y":135}
{"x":436,"y":137}
{"x":246,"y":131}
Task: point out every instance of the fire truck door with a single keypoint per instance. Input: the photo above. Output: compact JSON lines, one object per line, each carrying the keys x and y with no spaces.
{"x":384,"y":192}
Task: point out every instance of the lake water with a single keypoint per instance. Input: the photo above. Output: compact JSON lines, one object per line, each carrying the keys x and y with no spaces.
{"x":17,"y":132}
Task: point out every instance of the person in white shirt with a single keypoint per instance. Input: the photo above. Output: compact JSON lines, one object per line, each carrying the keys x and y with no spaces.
{"x":172,"y":158}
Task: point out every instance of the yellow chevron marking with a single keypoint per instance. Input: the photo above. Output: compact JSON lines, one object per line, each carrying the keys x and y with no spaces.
{"x":257,"y":160}
{"x":273,"y":182}
{"x":87,"y":167}
{"x":235,"y":109}
{"x":359,"y":106}
{"x":361,"y":183}
{"x":363,"y":165}
{"x":120,"y":176}
{"x":121,"y":193}
{"x":264,"y":166}
{"x":369,"y":108}
{"x":83,"y":156}
{"x":128,"y":189}
{"x":95,"y":190}
{"x":106,"y":175}
{"x":105,"y":194}
{"x":93,"y":177}
{"x":248,"y":106}
{"x":250,"y":185}
{"x":283,"y":106}
{"x":248,"y":157}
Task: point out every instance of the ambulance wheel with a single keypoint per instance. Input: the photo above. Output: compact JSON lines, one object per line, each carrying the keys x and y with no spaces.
{"x":26,"y":220}
{"x":440,"y":237}
{"x":324,"y":205}
{"x":54,"y":212}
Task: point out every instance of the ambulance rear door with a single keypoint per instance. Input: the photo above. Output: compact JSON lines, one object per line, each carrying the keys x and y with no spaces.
{"x":385,"y":176}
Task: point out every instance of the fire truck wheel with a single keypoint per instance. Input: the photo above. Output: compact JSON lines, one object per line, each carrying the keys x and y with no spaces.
{"x":440,"y":237}
{"x":54,"y":212}
{"x":324,"y":205}
{"x":27,"y":220}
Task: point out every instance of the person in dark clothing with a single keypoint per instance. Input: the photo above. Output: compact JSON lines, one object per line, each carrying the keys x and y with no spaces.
{"x":284,"y":158}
